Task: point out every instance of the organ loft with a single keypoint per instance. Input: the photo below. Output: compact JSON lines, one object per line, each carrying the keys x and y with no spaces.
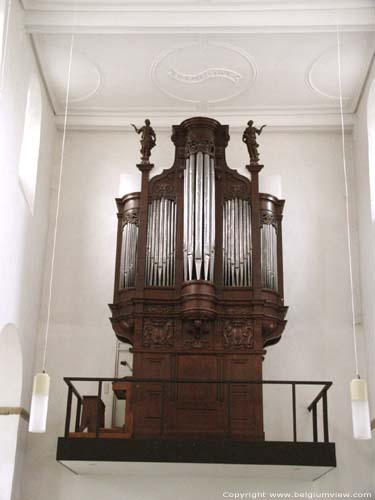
{"x":198,"y":288}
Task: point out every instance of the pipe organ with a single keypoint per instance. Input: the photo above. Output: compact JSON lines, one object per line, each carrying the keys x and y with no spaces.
{"x":198,"y":287}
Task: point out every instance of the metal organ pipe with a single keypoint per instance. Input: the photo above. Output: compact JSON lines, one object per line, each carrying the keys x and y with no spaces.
{"x":269,"y":256}
{"x":237,"y":242}
{"x":199,"y":217}
{"x":128,"y":254}
{"x":161,"y":246}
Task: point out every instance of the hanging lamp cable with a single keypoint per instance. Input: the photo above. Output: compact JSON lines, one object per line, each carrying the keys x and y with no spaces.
{"x":62,"y":155}
{"x":347,"y":201}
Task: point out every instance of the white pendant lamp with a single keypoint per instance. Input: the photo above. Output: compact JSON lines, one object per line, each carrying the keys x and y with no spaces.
{"x":358,"y":386}
{"x":39,"y":403}
{"x":360,"y":409}
{"x":39,"y":400}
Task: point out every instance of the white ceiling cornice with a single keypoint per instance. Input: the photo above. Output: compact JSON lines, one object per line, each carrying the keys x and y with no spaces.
{"x":163,"y":120}
{"x":217,"y":5}
{"x":202,"y":17}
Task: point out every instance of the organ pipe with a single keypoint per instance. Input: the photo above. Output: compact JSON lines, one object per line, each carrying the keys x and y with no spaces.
{"x":161,"y":245}
{"x":129,"y":254}
{"x":269,"y":256}
{"x":237,"y":242}
{"x":199,"y":217}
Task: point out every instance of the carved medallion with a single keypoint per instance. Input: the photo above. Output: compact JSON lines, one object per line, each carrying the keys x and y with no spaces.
{"x":238,"y":334}
{"x":198,"y":330}
{"x":158,"y":333}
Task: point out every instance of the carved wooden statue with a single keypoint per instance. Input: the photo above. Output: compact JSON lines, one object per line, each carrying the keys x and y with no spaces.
{"x":249,"y":137}
{"x":148,"y":140}
{"x":198,"y":287}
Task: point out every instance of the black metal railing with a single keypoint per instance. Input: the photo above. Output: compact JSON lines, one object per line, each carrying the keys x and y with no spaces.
{"x":313,"y":406}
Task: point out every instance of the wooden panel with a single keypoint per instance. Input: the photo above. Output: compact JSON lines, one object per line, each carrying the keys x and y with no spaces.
{"x":245,"y":400}
{"x":195,"y":367}
{"x":154,"y":366}
{"x":197,"y":408}
{"x":147,"y":400}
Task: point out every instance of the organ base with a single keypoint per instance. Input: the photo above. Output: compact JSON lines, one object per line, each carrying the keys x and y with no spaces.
{"x":197,"y":409}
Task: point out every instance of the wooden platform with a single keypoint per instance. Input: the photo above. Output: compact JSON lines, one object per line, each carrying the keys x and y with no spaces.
{"x":108,"y":454}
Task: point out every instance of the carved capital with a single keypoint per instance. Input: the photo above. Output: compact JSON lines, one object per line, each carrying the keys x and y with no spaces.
{"x":254,"y":168}
{"x":195,"y":146}
{"x":145,"y":167}
{"x":131,"y":217}
{"x":268,"y":218}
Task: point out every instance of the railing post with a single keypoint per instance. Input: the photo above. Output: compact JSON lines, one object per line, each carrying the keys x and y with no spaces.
{"x":78,"y":414}
{"x":98,"y":408}
{"x":162,"y":426}
{"x":294,"y":413}
{"x":68,"y":411}
{"x":325,"y":417}
{"x":315,"y":424}
{"x":229,"y":413}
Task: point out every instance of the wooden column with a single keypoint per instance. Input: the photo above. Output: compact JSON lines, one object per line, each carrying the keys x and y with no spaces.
{"x":254,"y":170}
{"x":120,"y":209}
{"x":280,"y":271}
{"x":145,"y":168}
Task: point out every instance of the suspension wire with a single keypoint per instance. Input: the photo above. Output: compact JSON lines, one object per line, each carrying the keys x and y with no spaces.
{"x":354,"y":328}
{"x":58,"y":199}
{"x":5,"y":45}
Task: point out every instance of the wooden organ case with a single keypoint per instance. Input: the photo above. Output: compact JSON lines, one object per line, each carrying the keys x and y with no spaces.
{"x":198,"y":290}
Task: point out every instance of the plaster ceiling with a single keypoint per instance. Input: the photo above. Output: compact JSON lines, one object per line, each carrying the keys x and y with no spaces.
{"x":118,"y":73}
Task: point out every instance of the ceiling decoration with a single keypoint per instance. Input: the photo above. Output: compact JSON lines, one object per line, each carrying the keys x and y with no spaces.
{"x":86,"y":78}
{"x":233,"y":76}
{"x":204,"y":72}
{"x":320,"y":75}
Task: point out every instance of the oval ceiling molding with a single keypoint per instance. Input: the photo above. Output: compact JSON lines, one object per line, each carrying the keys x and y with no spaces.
{"x":204,"y":72}
{"x":85,"y":80}
{"x":322,"y":74}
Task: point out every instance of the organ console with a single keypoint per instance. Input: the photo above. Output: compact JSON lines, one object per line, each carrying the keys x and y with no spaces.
{"x":198,"y":287}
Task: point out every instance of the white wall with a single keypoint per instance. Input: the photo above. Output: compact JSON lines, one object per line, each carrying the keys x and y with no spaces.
{"x":10,"y":396}
{"x":365,"y":175}
{"x":317,"y":343}
{"x":22,"y":236}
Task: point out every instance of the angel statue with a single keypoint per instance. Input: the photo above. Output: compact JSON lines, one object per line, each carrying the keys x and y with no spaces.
{"x":249,"y":137}
{"x":148,"y":140}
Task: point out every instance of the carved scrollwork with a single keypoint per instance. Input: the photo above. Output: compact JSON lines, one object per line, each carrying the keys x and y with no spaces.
{"x":267,"y":217}
{"x":237,"y":190}
{"x":158,"y":333}
{"x":163,"y":187}
{"x":203,"y":146}
{"x":238,"y":334}
{"x":131,"y":217}
{"x":164,"y":190}
{"x":198,"y":330}
{"x":235,"y":187}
